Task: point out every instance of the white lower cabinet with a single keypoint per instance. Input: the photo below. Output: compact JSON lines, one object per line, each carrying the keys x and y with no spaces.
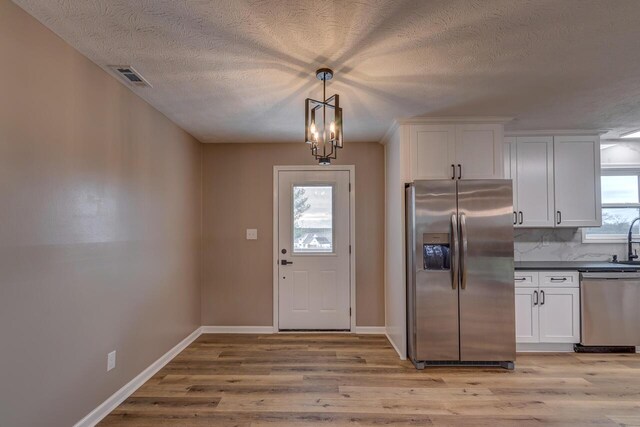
{"x":559,"y":315}
{"x":527,"y":329}
{"x":548,"y":313}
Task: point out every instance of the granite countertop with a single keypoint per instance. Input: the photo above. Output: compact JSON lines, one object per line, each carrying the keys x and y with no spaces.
{"x":574,"y":265}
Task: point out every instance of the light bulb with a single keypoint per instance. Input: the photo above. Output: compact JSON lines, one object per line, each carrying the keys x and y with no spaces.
{"x":312,"y":128}
{"x":316,"y":135}
{"x":332,"y":127}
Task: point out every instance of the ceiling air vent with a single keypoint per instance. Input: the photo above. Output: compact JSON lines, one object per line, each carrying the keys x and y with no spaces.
{"x":130,"y":75}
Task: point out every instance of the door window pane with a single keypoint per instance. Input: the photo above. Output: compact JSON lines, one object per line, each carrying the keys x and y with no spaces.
{"x":312,"y":218}
{"x":619,"y":189}
{"x":616,"y":221}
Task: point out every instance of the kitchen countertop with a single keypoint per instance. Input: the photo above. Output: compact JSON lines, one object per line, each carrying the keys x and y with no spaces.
{"x":574,"y":265}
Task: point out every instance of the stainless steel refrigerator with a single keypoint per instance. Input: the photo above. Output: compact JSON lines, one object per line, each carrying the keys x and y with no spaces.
{"x":460,"y":302}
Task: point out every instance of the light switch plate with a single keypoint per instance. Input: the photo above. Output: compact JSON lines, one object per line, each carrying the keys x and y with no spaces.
{"x":252,"y":234}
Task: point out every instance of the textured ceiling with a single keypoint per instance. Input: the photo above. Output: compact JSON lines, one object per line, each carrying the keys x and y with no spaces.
{"x":239,"y":70}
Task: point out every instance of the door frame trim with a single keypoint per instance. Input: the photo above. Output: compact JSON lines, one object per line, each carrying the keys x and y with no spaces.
{"x":352,"y":234}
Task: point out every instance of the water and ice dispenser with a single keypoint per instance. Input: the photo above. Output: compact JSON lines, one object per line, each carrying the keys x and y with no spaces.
{"x":436,"y":252}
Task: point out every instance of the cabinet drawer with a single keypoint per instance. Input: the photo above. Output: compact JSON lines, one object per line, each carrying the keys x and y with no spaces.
{"x":566,"y":279}
{"x":526,"y":279}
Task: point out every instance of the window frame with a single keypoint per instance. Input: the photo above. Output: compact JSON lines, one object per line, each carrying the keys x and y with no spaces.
{"x":614,"y":238}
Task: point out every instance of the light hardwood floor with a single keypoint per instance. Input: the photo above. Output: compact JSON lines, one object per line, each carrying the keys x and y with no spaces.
{"x":358,"y":380}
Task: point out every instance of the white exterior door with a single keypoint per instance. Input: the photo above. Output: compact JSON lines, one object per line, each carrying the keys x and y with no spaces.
{"x":313,"y":250}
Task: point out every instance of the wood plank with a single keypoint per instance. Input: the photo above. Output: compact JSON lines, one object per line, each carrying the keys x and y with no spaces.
{"x":253,"y":380}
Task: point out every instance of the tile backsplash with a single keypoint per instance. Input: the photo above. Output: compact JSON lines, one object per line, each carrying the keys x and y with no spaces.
{"x":561,"y":245}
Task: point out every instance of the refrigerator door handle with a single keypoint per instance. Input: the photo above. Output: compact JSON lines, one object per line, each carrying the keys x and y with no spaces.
{"x":455,"y":253}
{"x":463,"y":255}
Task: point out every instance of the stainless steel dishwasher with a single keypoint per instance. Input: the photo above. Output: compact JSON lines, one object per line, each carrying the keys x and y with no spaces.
{"x":610,"y":309}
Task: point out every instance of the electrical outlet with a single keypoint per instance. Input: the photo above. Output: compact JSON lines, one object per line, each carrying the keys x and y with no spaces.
{"x":111,"y":360}
{"x":252,"y":234}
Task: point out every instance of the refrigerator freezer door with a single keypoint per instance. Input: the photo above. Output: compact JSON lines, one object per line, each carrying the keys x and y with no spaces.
{"x":487,"y":309}
{"x":435,"y":296}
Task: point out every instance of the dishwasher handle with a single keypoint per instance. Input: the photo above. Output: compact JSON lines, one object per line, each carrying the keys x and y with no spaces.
{"x":612,"y":275}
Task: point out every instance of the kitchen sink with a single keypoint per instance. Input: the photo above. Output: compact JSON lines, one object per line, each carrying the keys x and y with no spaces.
{"x":626,"y":262}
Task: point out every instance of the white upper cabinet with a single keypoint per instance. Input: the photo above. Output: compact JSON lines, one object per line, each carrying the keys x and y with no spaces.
{"x":556,"y":180}
{"x":533,"y":194}
{"x":479,"y":151}
{"x":433,"y":151}
{"x":456,"y":151}
{"x":577,"y":181}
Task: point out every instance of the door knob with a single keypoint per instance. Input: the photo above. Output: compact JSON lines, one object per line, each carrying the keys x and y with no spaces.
{"x":285,"y":262}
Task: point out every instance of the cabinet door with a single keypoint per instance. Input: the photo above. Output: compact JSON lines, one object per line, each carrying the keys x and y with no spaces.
{"x":577,"y":181}
{"x":527,"y":315}
{"x":433,"y":151}
{"x":534,"y":183}
{"x":559,"y":315}
{"x":479,"y":150}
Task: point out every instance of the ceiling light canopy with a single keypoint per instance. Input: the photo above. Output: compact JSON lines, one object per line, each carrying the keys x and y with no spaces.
{"x":632,"y":134}
{"x":323,"y":122}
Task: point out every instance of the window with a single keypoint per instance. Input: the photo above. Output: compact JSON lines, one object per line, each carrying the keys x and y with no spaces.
{"x":620,"y":205}
{"x":312,"y":219}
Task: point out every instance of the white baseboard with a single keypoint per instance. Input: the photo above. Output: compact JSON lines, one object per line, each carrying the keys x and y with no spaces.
{"x":402,"y":356}
{"x":237,"y":329}
{"x":377,"y":330}
{"x":270,"y":330}
{"x":95,"y":416}
{"x":544,"y":347}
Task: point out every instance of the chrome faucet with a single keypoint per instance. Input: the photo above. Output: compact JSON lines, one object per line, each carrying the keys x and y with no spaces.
{"x":631,"y":255}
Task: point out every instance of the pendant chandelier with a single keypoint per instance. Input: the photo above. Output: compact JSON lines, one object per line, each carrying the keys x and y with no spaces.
{"x":323,"y":122}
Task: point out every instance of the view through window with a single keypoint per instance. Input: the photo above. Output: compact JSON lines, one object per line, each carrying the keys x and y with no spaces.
{"x":620,"y":205}
{"x":312,"y":218}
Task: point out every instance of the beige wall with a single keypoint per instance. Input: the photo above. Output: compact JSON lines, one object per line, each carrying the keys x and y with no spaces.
{"x":99,"y":229}
{"x":237,"y":284}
